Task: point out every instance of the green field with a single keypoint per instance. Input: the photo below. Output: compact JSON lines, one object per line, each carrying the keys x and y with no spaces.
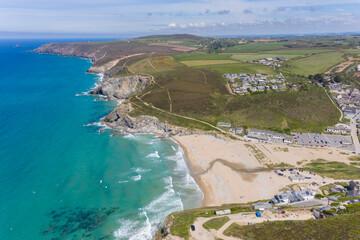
{"x":192,"y":84}
{"x":216,"y":223}
{"x":200,"y":93}
{"x":336,"y":170}
{"x":352,"y":51}
{"x":255,"y":47}
{"x":257,"y":56}
{"x":278,"y":111}
{"x":333,"y":228}
{"x":318,"y":63}
{"x":241,"y":67}
{"x":181,"y":221}
{"x":196,"y":63}
{"x":202,"y":56}
{"x":289,"y":54}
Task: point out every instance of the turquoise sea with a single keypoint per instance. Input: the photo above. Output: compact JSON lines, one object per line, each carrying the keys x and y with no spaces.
{"x":61,"y":178}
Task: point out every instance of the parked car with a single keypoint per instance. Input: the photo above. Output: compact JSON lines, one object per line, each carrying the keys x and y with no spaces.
{"x":192,"y":228}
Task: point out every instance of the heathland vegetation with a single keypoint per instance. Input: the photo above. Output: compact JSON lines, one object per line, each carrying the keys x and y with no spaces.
{"x":192,"y":84}
{"x":188,"y":78}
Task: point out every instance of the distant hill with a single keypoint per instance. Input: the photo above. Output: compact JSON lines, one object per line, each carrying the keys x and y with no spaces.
{"x":173,"y":36}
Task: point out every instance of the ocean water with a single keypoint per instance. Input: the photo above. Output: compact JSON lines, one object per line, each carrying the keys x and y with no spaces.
{"x":63,"y":179}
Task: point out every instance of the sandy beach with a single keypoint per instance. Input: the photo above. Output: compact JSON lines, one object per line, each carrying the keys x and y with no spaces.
{"x":233,"y":171}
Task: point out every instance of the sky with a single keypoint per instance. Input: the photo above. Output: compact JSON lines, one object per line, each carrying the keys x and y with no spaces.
{"x":201,"y":17}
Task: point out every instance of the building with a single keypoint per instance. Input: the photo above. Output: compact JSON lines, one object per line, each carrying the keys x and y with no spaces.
{"x":223,"y":212}
{"x":353,"y":185}
{"x":339,"y":128}
{"x":297,"y":178}
{"x":224,"y":124}
{"x":287,"y":198}
{"x":358,"y":68}
{"x":237,"y":130}
{"x":261,"y":206}
{"x":264,"y":135}
{"x":288,"y":139}
{"x":284,"y":198}
{"x":305,"y":195}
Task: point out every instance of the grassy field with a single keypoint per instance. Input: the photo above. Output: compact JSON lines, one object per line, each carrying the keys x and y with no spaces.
{"x":200,"y":93}
{"x":318,"y":63}
{"x":336,"y":170}
{"x":153,"y":65}
{"x":216,"y":223}
{"x":181,"y":221}
{"x":352,"y":51}
{"x":299,"y":111}
{"x":289,"y":54}
{"x":202,"y":56}
{"x":241,"y":67}
{"x":196,"y":63}
{"x":255,"y":47}
{"x":338,"y":227}
{"x":257,"y":56}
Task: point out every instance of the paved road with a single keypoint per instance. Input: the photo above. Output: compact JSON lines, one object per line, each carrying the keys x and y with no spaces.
{"x":354,"y":133}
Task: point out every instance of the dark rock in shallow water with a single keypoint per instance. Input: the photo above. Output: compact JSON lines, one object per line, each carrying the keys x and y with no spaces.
{"x":70,"y":222}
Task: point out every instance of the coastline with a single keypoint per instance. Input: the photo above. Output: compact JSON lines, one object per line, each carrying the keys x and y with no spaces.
{"x":227,"y":171}
{"x":192,"y":170}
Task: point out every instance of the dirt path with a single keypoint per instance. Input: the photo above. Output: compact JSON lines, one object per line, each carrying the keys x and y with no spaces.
{"x":188,"y":118}
{"x":243,"y":219}
{"x":152,"y":65}
{"x":354,"y":134}
{"x":341,"y":112}
{"x":170,"y":101}
{"x":228,"y":88}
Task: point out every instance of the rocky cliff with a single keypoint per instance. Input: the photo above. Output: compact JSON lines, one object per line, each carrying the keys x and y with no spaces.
{"x":121,"y":88}
{"x":120,"y":119}
{"x":109,"y":58}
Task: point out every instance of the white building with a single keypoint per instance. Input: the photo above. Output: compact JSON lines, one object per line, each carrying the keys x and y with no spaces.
{"x":223,"y":212}
{"x":297,"y":178}
{"x":305,"y":195}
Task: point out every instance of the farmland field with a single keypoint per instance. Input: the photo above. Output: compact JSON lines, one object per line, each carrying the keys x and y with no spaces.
{"x":289,"y":54}
{"x":241,"y":67}
{"x":202,"y":56}
{"x":255,"y":47}
{"x":195,"y":63}
{"x":257,"y":56}
{"x":318,"y":63}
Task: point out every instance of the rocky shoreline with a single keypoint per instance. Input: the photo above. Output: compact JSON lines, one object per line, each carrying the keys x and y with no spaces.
{"x":116,"y":89}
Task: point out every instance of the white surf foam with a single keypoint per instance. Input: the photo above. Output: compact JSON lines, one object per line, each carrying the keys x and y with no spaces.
{"x":153,"y":155}
{"x":129,"y":136}
{"x":135,"y":178}
{"x":135,"y":230}
{"x":125,"y":181}
{"x":141,"y":170}
{"x":151,"y":216}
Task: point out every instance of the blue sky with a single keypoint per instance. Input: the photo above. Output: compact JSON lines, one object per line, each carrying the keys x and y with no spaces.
{"x":202,"y":17}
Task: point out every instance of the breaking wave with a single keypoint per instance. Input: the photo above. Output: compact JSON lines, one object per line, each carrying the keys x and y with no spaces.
{"x":153,"y":155}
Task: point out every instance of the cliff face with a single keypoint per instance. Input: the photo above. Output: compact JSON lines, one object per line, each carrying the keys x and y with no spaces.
{"x":121,"y":88}
{"x":71,"y":50}
{"x":120,"y":119}
{"x":108,"y":59}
